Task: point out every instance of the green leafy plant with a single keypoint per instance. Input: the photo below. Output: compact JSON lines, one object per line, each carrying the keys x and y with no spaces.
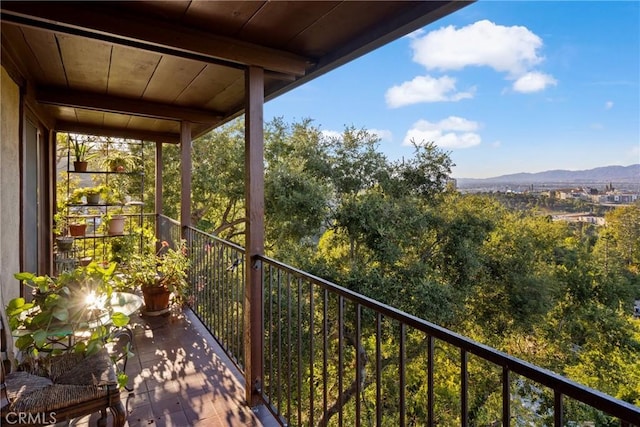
{"x":166,"y":268}
{"x":70,"y":313}
{"x":80,"y":149}
{"x":120,"y":161}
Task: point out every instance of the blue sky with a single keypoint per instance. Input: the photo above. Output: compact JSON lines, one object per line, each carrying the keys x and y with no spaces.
{"x":504,"y":86}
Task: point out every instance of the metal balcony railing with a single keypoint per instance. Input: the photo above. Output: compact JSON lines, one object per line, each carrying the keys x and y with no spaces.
{"x":335,"y":357}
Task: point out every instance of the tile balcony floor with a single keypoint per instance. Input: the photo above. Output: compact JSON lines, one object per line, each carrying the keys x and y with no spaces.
{"x":181,"y":377}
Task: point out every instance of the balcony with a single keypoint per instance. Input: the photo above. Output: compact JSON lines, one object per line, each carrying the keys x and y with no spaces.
{"x":311,"y":352}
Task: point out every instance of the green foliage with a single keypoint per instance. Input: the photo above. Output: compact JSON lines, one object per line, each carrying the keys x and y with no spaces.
{"x":68,"y":314}
{"x":80,"y":146}
{"x":491,"y":267}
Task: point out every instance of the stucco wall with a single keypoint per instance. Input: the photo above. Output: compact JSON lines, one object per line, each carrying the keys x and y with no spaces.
{"x":9,"y":186}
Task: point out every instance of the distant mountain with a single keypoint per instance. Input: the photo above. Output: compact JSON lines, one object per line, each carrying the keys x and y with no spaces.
{"x":620,"y":174}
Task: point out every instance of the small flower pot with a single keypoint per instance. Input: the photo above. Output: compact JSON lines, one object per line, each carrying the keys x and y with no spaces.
{"x":64,"y":244}
{"x":93,"y":199}
{"x":80,"y":166}
{"x":116,"y":225}
{"x":77,"y":230}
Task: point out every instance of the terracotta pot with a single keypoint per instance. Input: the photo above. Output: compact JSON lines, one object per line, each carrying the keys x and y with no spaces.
{"x":156,"y":298}
{"x":77,"y":230}
{"x":80,"y":166}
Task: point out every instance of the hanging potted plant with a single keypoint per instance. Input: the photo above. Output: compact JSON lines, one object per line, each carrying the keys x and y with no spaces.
{"x":64,"y":243}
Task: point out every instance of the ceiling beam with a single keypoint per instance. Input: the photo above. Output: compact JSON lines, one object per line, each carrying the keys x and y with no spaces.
{"x":111,"y":25}
{"x":63,"y":126}
{"x":114,"y":104}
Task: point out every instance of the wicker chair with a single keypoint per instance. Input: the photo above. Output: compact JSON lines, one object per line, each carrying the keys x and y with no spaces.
{"x":57,"y":388}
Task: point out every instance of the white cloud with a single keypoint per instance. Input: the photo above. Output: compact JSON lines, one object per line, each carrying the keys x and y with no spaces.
{"x":608,"y":105}
{"x":533,"y":81}
{"x":425,"y":89}
{"x":331,"y":134}
{"x":452,"y":132}
{"x":383,"y":134}
{"x":513,"y":50}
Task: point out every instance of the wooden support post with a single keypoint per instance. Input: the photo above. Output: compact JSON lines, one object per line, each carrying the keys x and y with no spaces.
{"x":185,"y":176}
{"x":254,"y":243}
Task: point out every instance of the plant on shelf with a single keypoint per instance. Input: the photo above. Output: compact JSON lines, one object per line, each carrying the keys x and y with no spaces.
{"x":93,"y":194}
{"x":161,"y":275}
{"x":77,"y":227}
{"x":120,"y":161}
{"x":80,"y":148}
{"x":114,"y":221}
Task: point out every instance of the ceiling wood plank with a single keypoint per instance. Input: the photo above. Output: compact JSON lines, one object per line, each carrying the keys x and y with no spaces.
{"x":115,"y":120}
{"x":62,"y":126}
{"x":171,"y":77}
{"x":44,"y":46}
{"x":207,"y":85}
{"x":232,"y":92}
{"x":114,"y":104}
{"x":86,"y":62}
{"x":90,"y":117}
{"x":131,"y":70}
{"x":119,"y":26}
{"x":13,"y":40}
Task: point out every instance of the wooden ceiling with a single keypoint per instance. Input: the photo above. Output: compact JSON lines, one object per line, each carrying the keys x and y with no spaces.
{"x":137,"y":68}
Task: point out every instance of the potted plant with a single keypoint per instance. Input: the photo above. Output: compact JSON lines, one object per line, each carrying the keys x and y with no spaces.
{"x":93,"y":194}
{"x":80,"y":153}
{"x":115,"y":222}
{"x":64,"y":242}
{"x":120,"y":161}
{"x":77,"y":228}
{"x":161,"y":275}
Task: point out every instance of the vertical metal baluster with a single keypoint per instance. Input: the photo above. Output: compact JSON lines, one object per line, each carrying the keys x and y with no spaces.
{"x":239,"y":296}
{"x":299,"y":394}
{"x":228,"y":301}
{"x":325,"y":349}
{"x":401,"y":372}
{"x":289,"y":347}
{"x":430,"y":391}
{"x":340,"y":353}
{"x":359,"y":363}
{"x":312,"y":310}
{"x":557,"y":408}
{"x":464,"y":389}
{"x":506,"y":397}
{"x":280,"y":324}
{"x":378,"y":369}
{"x":271,"y":323}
